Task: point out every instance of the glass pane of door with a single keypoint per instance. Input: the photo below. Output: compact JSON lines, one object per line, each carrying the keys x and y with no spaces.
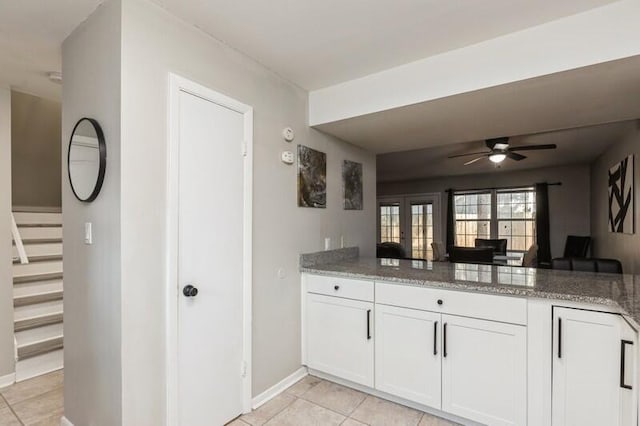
{"x":390,"y":222}
{"x":421,"y":230}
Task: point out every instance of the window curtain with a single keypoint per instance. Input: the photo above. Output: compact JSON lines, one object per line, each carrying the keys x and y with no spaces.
{"x":451,"y":237}
{"x":542,"y":224}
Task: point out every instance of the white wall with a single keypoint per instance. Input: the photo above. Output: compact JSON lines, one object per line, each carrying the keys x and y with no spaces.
{"x":6,"y":275}
{"x":598,"y":35}
{"x":154,"y":44}
{"x":625,"y":247}
{"x":133,"y":207}
{"x":92,"y":278}
{"x":569,"y":204}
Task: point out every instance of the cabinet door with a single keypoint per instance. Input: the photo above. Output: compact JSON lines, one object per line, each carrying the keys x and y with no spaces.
{"x":408,"y":362}
{"x":588,"y":385}
{"x":484,"y":368}
{"x":339,"y":336}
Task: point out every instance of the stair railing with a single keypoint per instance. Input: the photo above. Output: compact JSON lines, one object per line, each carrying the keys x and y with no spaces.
{"x":22,"y":254}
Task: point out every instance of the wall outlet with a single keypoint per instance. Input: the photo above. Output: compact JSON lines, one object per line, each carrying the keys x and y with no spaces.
{"x":287,"y":157}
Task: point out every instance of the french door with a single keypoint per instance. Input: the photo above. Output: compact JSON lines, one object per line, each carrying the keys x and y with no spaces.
{"x":412,"y":221}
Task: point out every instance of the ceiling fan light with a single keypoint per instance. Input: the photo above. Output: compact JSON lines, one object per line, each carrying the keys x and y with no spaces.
{"x":497,"y":158}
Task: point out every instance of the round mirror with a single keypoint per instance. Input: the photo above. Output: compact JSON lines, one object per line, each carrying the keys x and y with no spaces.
{"x":87,"y":159}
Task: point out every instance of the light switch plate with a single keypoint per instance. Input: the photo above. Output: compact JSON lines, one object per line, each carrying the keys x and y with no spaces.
{"x":88,"y":233}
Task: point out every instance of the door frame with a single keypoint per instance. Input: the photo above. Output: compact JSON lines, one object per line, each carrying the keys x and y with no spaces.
{"x":178,"y":84}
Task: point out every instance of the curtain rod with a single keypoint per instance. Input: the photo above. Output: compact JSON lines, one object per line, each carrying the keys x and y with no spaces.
{"x":502,"y":187}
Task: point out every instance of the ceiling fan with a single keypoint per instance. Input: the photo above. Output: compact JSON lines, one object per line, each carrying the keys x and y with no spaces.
{"x":499,"y":150}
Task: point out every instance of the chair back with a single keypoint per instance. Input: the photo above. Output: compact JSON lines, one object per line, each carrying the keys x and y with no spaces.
{"x":530,"y":258}
{"x":471,"y":254}
{"x":576,"y":246}
{"x":438,"y":251}
{"x":499,"y":245}
{"x":390,"y":250}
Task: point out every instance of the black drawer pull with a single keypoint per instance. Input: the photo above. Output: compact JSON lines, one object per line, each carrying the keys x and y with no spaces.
{"x":559,"y":337}
{"x":368,"y":324}
{"x":444,"y":340}
{"x":336,"y":287}
{"x":435,"y":338}
{"x":623,"y":361}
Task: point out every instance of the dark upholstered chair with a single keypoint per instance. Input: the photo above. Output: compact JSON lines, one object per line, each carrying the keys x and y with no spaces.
{"x":561,"y":263}
{"x":607,"y":266}
{"x":390,"y":250}
{"x":576,"y":246}
{"x":583,"y":265}
{"x":499,"y":246}
{"x":471,"y":254}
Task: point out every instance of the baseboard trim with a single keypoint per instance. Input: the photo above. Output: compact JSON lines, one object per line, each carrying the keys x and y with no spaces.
{"x":7,"y":380}
{"x":278,"y":388}
{"x":65,"y":421}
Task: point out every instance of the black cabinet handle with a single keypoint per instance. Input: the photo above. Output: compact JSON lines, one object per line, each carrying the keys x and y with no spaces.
{"x":559,"y":337}
{"x":368,"y":324}
{"x":444,"y":340}
{"x":623,"y":346}
{"x":435,"y":338}
{"x":440,"y":302}
{"x":336,"y":287}
{"x":190,"y":291}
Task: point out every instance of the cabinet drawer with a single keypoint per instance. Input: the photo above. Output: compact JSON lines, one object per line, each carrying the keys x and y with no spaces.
{"x":485,"y":306}
{"x":340,"y":287}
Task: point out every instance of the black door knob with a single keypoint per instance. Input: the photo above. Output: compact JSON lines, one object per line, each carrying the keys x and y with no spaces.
{"x":190,"y":291}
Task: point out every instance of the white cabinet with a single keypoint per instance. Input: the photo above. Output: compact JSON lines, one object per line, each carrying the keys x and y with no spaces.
{"x":339,"y":337}
{"x":484,"y":370}
{"x":594,"y":371}
{"x":408,"y":362}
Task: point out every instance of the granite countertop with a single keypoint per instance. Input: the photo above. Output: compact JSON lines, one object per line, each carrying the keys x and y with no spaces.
{"x":616,"y":291}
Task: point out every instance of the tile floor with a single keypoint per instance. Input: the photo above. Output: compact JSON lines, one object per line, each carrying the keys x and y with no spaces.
{"x":310,"y":402}
{"x":316,"y":402}
{"x":37,"y":401}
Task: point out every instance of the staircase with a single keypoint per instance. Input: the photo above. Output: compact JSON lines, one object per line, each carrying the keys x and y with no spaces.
{"x":37,"y":294}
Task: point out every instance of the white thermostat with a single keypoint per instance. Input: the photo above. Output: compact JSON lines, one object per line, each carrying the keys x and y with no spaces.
{"x":287,"y":157}
{"x":287,"y":134}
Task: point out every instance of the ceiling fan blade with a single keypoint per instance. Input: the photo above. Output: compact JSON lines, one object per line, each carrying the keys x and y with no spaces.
{"x":474,"y":160}
{"x":515,"y":156}
{"x":469,"y":153}
{"x":491,"y":143}
{"x":533,"y":147}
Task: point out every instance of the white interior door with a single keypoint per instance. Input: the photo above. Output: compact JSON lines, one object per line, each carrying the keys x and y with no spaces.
{"x":210,"y":258}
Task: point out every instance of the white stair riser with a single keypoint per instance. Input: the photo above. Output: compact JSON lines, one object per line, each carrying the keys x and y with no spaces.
{"x":37,"y":268}
{"x":28,"y":218}
{"x":39,"y":365}
{"x":33,"y":311}
{"x":39,"y":334}
{"x":36,"y":288}
{"x":41,"y":233}
{"x":50,"y":249}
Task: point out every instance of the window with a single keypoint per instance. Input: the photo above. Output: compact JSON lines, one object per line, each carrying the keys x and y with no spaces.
{"x":502,"y":213}
{"x":473,"y":217}
{"x":517,"y":218}
{"x":390,"y":223}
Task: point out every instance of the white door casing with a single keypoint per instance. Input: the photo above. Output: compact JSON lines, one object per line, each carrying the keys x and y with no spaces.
{"x":209,"y":246}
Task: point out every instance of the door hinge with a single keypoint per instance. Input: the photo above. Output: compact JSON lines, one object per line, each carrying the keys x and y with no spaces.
{"x":243,"y":369}
{"x":244,"y":148}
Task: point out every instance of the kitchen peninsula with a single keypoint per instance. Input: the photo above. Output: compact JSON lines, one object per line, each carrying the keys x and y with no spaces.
{"x":478,"y":344}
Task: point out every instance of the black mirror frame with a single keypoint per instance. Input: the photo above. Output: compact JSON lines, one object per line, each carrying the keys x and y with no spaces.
{"x":102,"y":150}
